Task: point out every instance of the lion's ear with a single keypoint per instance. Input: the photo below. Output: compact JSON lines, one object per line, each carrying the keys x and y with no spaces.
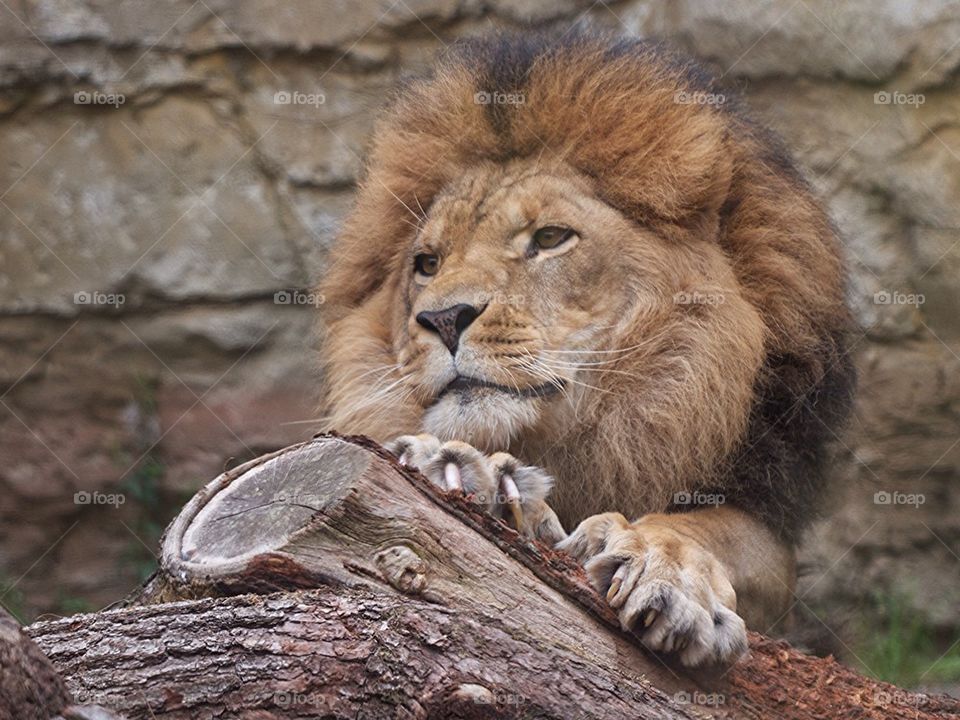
{"x":706,"y":206}
{"x":718,"y":192}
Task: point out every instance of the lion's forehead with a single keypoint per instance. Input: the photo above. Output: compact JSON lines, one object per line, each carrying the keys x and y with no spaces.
{"x":507,"y":197}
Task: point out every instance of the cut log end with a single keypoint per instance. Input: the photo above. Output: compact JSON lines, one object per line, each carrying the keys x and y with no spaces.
{"x":240,"y":532}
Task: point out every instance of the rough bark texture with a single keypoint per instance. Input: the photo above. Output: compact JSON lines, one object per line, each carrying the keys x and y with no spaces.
{"x":427,"y":608}
{"x":342,"y":652}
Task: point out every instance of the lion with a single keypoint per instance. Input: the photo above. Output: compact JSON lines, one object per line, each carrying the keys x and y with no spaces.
{"x":581,"y":285}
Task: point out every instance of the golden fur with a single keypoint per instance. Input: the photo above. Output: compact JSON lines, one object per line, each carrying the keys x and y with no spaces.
{"x":679,"y":200}
{"x":691,"y":324}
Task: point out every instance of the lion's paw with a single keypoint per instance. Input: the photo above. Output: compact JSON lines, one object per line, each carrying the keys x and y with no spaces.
{"x":505,"y":487}
{"x":667,"y":589}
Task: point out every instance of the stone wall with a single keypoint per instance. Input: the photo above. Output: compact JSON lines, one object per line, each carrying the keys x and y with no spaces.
{"x":167,"y":168}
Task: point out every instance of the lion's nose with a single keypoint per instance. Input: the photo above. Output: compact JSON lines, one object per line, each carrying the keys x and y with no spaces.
{"x":450,"y":323}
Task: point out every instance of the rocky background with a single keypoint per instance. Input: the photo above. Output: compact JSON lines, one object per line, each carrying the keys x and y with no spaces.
{"x":172,"y":174}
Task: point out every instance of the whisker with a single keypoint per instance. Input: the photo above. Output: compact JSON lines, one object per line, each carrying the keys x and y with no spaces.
{"x":586,"y":363}
{"x":542,"y":365}
{"x":613,"y":371}
{"x":379,"y":368}
{"x":415,"y":226}
{"x":397,"y":198}
{"x":531,"y":365}
{"x":318,"y":420}
{"x":423,"y":212}
{"x":615,"y":351}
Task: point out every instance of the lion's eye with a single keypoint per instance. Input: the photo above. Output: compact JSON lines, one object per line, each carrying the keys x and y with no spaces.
{"x":551,"y":236}
{"x":426,"y":264}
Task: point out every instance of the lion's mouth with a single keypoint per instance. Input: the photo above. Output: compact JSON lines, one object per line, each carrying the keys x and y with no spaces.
{"x":463,"y":383}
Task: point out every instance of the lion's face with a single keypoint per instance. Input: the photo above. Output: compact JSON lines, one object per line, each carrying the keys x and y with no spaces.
{"x":523,"y":308}
{"x":513,"y":290}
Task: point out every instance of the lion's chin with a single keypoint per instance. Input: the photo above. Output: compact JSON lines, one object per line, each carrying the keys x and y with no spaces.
{"x":488,"y":420}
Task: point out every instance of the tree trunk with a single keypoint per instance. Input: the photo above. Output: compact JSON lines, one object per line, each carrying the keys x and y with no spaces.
{"x":422,"y":607}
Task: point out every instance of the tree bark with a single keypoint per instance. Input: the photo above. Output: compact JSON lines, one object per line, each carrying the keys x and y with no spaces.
{"x":420,"y":607}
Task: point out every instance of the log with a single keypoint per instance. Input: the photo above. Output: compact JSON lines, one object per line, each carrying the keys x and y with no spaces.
{"x":354,"y":588}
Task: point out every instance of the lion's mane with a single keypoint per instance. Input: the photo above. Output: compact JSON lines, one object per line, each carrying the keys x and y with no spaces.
{"x":640,"y":123}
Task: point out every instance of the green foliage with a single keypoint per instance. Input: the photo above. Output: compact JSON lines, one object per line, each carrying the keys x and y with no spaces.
{"x":72,"y":605}
{"x":145,"y":393}
{"x":12,"y":600}
{"x":147,"y":508}
{"x":150,"y":509}
{"x":900,"y":646}
{"x":149,"y":515}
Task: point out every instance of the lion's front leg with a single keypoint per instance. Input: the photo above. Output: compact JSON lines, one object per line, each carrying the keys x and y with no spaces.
{"x":505,"y":487}
{"x":673,"y":579}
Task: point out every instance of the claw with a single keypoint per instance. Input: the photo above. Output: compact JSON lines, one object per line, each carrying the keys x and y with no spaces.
{"x":509,"y":488}
{"x":616,"y":584}
{"x":451,"y":475}
{"x":512,"y":494}
{"x":516,"y":512}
